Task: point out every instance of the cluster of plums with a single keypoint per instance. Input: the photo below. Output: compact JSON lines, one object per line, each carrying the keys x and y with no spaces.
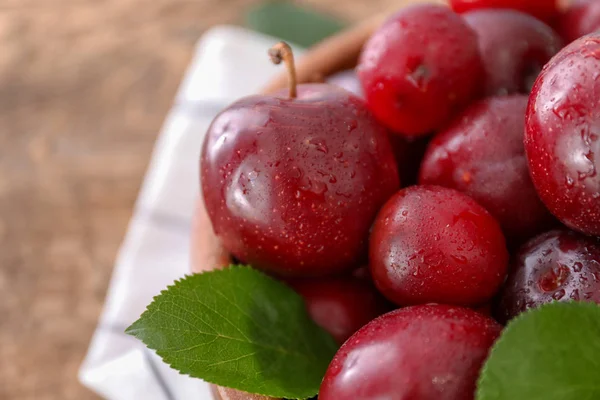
{"x":461,"y":183}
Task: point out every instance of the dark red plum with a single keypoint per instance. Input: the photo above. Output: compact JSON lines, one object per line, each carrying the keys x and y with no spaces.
{"x":514,"y":48}
{"x":431,"y":244}
{"x":420,"y":68}
{"x":559,"y":265}
{"x":481,"y":154}
{"x":341,"y":305}
{"x":562,"y":135}
{"x":292,"y":183}
{"x":579,"y":19}
{"x":429,"y":352}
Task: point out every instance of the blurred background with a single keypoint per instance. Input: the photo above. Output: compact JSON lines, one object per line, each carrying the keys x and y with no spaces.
{"x":84,"y":88}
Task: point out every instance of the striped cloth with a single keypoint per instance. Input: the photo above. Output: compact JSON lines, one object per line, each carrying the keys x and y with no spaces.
{"x":229,"y":63}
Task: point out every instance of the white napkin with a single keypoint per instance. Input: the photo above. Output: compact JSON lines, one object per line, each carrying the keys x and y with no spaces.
{"x":229,"y":63}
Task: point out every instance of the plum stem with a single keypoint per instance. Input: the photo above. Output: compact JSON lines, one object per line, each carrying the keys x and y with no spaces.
{"x":283,"y":52}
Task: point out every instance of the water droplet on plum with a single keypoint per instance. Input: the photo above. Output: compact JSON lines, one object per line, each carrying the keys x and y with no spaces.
{"x":559,"y":294}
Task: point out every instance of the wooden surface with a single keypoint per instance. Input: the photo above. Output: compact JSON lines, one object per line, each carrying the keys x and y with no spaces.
{"x":84,"y":88}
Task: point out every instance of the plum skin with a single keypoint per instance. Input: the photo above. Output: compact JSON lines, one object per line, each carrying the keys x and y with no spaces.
{"x":292,"y":186}
{"x":427,"y":352}
{"x":580,"y":18}
{"x":481,"y":153}
{"x":420,"y":68}
{"x":559,"y":265}
{"x":340,"y":305}
{"x":514,"y":47}
{"x":434,"y":244}
{"x":545,"y":10}
{"x":561,"y":136}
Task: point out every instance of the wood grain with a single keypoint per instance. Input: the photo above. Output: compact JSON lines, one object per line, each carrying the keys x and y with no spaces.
{"x":84,"y":88}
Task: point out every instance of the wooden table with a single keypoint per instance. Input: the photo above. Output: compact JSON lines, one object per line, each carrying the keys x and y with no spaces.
{"x":84,"y":88}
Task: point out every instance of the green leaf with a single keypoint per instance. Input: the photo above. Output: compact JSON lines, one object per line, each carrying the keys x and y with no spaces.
{"x":289,"y":22}
{"x":550,"y":353}
{"x":238,"y":328}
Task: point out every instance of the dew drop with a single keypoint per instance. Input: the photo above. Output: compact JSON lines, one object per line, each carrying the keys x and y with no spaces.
{"x":547,"y":252}
{"x":319,"y":187}
{"x":559,"y":294}
{"x":569,"y":182}
{"x":305,"y":183}
{"x":460,"y":259}
{"x":295,"y":173}
{"x":352,"y":125}
{"x":319,"y":145}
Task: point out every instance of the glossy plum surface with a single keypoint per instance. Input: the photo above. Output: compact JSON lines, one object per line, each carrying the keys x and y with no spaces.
{"x":514,"y":48}
{"x":433,"y":244}
{"x":562,"y":135}
{"x":341,"y":305}
{"x":559,"y":265}
{"x":292,"y":186}
{"x":420,"y":68}
{"x":546,"y":10}
{"x":580,"y":18}
{"x":429,"y":352}
{"x":481,"y":154}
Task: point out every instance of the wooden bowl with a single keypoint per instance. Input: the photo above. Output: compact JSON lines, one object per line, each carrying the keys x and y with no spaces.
{"x":334,"y":54}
